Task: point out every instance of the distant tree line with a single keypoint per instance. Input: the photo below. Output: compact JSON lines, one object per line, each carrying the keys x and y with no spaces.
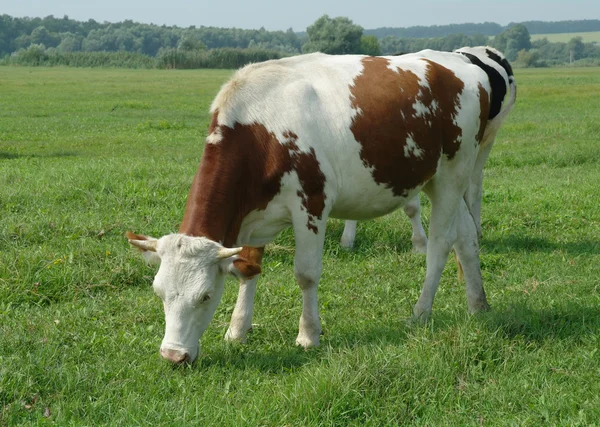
{"x":63,"y":41}
{"x":486,"y":28}
{"x":438,"y":31}
{"x":68,"y":35}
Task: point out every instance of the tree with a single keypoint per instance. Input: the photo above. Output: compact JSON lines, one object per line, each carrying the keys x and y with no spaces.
{"x":576,"y":48}
{"x":41,"y":35}
{"x":369,"y":45}
{"x":512,"y":50}
{"x":518,"y":35}
{"x":528,"y":58}
{"x":70,"y":43}
{"x":336,"y":36}
{"x":190,"y":43}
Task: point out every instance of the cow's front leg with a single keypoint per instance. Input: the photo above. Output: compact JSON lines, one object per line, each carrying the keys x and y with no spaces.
{"x":308,"y":265}
{"x":241,"y":319}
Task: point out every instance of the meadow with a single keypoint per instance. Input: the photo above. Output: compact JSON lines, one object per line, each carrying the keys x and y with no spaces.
{"x":86,"y":154}
{"x":588,"y":37}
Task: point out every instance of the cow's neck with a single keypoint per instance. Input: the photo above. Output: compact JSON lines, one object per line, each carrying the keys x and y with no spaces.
{"x":239,"y":173}
{"x":211,"y":204}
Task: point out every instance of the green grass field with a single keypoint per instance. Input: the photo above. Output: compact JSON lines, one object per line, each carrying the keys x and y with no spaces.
{"x":588,"y":37}
{"x":86,"y":154}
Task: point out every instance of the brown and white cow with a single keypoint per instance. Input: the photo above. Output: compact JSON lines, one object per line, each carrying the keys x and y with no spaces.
{"x":298,"y":140}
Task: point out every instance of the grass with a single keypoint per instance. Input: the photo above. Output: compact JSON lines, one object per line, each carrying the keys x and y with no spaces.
{"x":588,"y":37}
{"x":86,"y":154}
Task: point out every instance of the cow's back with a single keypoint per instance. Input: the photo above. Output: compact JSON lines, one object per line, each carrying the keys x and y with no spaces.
{"x":379,"y":127}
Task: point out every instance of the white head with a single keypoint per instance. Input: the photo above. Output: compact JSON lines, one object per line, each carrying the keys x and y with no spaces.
{"x":190,"y":284}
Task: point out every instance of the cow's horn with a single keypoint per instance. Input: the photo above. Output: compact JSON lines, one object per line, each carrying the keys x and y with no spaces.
{"x":145,"y":245}
{"x":228,"y":252}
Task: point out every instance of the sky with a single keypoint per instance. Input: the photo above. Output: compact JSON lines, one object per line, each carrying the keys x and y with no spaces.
{"x":281,"y":15}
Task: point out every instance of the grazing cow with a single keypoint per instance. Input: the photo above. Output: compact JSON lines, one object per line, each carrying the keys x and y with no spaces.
{"x":295,"y":141}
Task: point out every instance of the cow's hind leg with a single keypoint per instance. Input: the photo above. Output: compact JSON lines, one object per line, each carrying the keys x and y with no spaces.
{"x":412,"y":209}
{"x":467,"y":250}
{"x":445,"y":201}
{"x":347,"y":240}
{"x":474,"y":194}
{"x":308,"y":264}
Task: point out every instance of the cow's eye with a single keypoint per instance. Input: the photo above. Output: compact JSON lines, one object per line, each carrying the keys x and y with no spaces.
{"x":205,"y":298}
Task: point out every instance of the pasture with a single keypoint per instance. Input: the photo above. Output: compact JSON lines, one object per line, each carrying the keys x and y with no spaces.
{"x":86,"y":154}
{"x":588,"y":37}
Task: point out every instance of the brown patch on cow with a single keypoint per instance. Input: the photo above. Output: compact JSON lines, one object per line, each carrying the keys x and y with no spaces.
{"x":248,"y":262}
{"x":243,"y":173}
{"x":484,"y":111}
{"x":312,"y":180}
{"x":446,"y":88}
{"x":214,"y":122}
{"x":387,"y":119}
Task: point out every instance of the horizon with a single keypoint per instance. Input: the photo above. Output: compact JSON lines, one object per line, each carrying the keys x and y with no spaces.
{"x":427,"y":13}
{"x":304,"y":30}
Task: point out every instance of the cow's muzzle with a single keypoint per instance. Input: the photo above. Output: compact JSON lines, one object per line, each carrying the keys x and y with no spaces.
{"x":176,"y":356}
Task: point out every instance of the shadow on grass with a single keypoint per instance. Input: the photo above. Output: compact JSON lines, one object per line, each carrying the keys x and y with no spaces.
{"x":258,"y":355}
{"x":537,"y":325}
{"x":369,"y":240}
{"x":254,"y":356}
{"x":567,"y":323}
{"x":7,"y":156}
{"x":535,"y":244}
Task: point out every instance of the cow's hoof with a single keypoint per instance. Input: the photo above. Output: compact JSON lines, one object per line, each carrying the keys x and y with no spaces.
{"x":420,"y":316}
{"x":479,"y":307}
{"x":236,"y":336}
{"x":419,"y":250}
{"x":346,"y":243}
{"x":419,"y":245}
{"x":305,"y":341}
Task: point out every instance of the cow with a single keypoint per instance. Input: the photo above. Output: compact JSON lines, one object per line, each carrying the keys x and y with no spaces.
{"x":295,"y":141}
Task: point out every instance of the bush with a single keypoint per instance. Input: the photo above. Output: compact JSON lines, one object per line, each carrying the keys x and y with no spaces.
{"x":225,"y":58}
{"x":35,"y":55}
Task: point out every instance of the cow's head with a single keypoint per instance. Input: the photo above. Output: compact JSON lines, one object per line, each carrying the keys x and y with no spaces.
{"x":190,"y":284}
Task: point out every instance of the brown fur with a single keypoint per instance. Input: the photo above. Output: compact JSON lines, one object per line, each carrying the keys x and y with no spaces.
{"x":484,"y":112}
{"x":383,"y":95}
{"x":249,"y":262}
{"x":243,"y":173}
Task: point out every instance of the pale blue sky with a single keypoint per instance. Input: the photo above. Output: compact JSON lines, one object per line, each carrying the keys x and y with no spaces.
{"x":280,"y":15}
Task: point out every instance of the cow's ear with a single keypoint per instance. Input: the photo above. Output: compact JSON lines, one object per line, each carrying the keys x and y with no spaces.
{"x":146,"y":245}
{"x":245,"y":265}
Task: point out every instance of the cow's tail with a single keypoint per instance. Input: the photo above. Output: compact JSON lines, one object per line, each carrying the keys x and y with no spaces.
{"x":494,"y":125}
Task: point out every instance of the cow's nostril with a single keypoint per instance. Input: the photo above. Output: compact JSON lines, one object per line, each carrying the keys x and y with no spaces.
{"x":175,"y":356}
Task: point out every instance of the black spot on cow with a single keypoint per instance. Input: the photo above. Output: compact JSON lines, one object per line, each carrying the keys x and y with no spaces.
{"x":501,"y":61}
{"x":497,"y":83}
